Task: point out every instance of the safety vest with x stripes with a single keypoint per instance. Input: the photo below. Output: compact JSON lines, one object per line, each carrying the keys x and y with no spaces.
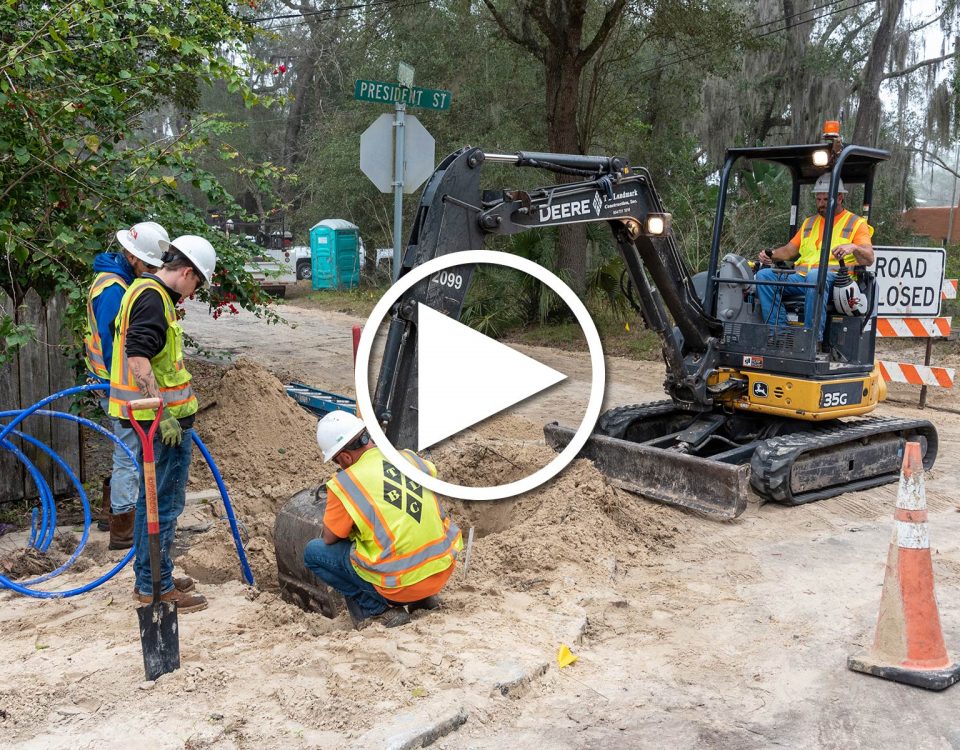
{"x":168,"y":368}
{"x":846,"y":224}
{"x":401,"y":534}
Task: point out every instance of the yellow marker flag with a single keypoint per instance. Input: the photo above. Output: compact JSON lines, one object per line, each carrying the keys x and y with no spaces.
{"x":564,"y":656}
{"x":626,"y":326}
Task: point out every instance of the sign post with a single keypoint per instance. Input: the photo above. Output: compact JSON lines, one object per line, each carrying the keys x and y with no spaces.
{"x":398,"y":140}
{"x":405,"y":177}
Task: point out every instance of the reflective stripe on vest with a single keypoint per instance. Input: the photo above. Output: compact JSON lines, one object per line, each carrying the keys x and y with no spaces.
{"x":400,"y":534}
{"x":845,"y":227}
{"x":172,"y":378}
{"x":92,"y":344}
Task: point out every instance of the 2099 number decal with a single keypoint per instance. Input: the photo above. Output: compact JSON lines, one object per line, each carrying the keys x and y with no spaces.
{"x":842,"y":394}
{"x":450,"y":279}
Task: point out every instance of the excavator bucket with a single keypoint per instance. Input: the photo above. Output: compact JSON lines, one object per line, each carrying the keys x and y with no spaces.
{"x":710,"y":488}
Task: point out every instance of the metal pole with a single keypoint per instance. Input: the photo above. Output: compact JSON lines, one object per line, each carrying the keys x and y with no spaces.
{"x":398,"y":158}
{"x":926,"y":362}
{"x":953,"y":199}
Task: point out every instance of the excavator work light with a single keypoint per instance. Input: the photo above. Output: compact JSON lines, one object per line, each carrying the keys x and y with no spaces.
{"x":821,"y":158}
{"x":657,"y":224}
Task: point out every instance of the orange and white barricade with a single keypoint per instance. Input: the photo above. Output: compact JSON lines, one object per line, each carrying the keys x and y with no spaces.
{"x":908,"y":646}
{"x":903,"y":372}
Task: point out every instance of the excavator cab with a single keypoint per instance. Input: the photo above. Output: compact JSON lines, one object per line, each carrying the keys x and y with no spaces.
{"x":749,"y":341}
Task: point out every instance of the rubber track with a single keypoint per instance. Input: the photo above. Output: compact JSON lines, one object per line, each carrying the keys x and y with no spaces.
{"x":614,"y":422}
{"x":773,"y":459}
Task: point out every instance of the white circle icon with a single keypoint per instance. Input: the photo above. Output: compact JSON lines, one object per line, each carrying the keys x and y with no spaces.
{"x":597,"y":384}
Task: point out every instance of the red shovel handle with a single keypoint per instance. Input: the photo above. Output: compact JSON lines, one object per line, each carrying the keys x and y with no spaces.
{"x":149,"y":469}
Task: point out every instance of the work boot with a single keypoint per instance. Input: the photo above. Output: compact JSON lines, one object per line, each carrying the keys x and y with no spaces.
{"x":391,"y":617}
{"x":121,"y":530}
{"x":183,"y":585}
{"x":103,"y":523}
{"x":430,"y":602}
{"x":186,"y":602}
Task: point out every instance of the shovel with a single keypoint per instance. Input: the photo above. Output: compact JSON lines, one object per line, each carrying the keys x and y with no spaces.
{"x":159,"y":634}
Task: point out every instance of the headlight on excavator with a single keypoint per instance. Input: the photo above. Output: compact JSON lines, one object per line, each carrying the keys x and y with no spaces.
{"x":658,"y":224}
{"x":821,"y":157}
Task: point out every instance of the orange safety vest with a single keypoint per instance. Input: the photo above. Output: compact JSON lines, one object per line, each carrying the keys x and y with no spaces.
{"x":846,"y":224}
{"x":401,"y":534}
{"x":92,"y":344}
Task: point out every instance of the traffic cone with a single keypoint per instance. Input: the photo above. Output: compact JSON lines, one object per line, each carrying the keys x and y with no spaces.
{"x":908,"y":646}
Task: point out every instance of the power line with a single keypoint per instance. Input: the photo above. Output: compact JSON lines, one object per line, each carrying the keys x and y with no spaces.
{"x":332,"y":11}
{"x":680,"y":59}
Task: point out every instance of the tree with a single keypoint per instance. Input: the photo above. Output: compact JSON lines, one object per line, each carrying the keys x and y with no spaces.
{"x":554,"y":33}
{"x":76,"y":81}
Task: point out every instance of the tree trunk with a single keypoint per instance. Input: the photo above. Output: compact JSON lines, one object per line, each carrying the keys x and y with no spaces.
{"x":866,"y":132}
{"x":563,"y":87}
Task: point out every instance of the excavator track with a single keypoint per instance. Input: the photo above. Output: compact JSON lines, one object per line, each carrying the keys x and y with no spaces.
{"x":811,"y":461}
{"x":835,"y":458}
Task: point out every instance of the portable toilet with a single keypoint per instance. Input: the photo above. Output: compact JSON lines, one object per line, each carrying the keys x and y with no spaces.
{"x":334,"y":245}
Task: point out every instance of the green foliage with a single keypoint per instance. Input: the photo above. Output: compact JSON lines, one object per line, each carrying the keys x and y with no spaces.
{"x":77,"y":82}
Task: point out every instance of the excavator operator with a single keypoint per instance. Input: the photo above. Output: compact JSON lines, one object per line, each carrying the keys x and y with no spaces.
{"x":851,"y":242}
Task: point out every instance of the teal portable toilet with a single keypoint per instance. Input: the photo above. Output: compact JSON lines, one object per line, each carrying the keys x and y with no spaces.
{"x":334,"y":253}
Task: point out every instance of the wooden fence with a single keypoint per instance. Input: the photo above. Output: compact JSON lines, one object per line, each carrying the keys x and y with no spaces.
{"x":38,"y":369}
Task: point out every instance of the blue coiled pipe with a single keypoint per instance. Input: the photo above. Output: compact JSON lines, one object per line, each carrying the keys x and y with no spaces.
{"x":42,"y":537}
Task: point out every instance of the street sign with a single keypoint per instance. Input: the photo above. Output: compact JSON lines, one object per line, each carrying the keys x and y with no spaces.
{"x":392,"y":93}
{"x":376,"y":153}
{"x":909,"y":281}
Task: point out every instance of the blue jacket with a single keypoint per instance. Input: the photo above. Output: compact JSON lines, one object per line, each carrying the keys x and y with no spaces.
{"x":106,"y":306}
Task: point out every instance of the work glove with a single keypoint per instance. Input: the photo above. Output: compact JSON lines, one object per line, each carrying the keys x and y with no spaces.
{"x":171,"y":434}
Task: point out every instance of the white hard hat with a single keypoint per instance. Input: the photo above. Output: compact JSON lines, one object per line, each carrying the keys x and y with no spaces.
{"x":336,"y":431}
{"x":197,"y":250}
{"x":822,"y":184}
{"x":143,"y":241}
{"x":848,"y":298}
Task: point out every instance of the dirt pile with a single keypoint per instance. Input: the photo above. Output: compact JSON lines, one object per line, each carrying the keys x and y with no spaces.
{"x":575,"y":518}
{"x":263,"y":442}
{"x":264,"y":445}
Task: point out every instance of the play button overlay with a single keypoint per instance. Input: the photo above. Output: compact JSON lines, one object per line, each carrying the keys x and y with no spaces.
{"x":453,"y":395}
{"x":466,"y":377}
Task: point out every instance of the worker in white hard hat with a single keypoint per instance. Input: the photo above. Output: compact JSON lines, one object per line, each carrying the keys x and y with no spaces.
{"x":850,"y":241}
{"x":138,"y":253}
{"x":148,"y":363}
{"x":388,"y":545}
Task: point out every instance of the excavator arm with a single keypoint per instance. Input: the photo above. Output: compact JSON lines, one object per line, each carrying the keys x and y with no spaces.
{"x":456,"y":214}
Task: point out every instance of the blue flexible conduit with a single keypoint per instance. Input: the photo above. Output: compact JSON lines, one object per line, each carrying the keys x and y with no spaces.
{"x":41,"y":537}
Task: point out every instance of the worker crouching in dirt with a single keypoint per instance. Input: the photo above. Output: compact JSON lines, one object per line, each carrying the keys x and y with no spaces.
{"x":387,"y":545}
{"x":148,"y":362}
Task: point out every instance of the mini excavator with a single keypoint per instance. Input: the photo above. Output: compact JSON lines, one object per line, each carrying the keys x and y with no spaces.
{"x":751,"y":405}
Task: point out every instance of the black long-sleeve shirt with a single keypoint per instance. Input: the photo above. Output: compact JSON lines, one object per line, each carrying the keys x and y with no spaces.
{"x":147,"y":327}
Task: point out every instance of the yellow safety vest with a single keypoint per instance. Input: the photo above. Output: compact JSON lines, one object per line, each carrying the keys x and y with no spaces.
{"x":401,"y":535}
{"x":845,"y":227}
{"x":92,"y":344}
{"x":172,"y":377}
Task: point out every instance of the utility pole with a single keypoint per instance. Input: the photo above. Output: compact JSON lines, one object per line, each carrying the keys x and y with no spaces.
{"x":953,"y":198}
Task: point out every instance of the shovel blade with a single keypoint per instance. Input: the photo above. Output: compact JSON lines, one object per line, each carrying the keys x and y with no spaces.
{"x":159,"y":638}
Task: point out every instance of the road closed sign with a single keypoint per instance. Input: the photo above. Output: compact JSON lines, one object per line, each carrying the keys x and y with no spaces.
{"x":909,"y":281}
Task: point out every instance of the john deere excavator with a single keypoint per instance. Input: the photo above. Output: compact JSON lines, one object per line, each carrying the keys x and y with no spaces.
{"x":750,"y":405}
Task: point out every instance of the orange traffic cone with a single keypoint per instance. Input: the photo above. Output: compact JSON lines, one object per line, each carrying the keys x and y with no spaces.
{"x":909,"y":646}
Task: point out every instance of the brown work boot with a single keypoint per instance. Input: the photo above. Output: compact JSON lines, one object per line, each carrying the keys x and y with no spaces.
{"x":183,"y":585}
{"x":186,"y":602}
{"x":103,"y":522}
{"x":429,"y":602}
{"x":121,"y":530}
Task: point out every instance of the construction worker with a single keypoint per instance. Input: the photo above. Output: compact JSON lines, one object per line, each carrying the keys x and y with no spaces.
{"x":850,"y":241}
{"x":148,"y":363}
{"x":387,"y":544}
{"x":115,"y":271}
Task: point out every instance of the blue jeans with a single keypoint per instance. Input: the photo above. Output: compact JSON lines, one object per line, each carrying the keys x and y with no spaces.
{"x":173,"y":467}
{"x":125,"y":479}
{"x":331,"y":564}
{"x":771,"y":297}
